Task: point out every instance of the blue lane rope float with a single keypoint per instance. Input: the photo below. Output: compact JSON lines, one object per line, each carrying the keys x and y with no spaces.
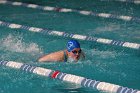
{"x":127,"y":1}
{"x":66,"y":10}
{"x":85,"y":82}
{"x":75,"y":36}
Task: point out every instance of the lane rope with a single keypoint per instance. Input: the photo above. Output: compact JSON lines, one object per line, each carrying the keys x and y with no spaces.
{"x":85,"y":82}
{"x":69,"y":35}
{"x":126,"y":1}
{"x":66,"y":10}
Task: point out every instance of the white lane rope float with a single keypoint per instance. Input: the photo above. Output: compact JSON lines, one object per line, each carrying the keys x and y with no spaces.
{"x":69,"y":35}
{"x":126,"y":1}
{"x":66,"y":10}
{"x":85,"y":82}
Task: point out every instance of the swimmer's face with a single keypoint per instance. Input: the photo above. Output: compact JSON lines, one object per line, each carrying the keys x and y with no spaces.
{"x":75,"y":53}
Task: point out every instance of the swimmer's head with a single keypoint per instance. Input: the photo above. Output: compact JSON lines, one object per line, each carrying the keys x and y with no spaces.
{"x":72,"y":44}
{"x":74,"y":50}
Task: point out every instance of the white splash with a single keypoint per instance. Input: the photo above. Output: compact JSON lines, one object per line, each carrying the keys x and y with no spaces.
{"x":102,"y":54}
{"x":71,"y":60}
{"x":108,"y":27}
{"x":16,"y":44}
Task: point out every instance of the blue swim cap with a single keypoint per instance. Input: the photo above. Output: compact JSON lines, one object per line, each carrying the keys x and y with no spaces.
{"x":72,"y":44}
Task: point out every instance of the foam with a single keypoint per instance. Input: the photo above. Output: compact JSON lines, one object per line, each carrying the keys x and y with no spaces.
{"x":16,"y":44}
{"x":108,"y":27}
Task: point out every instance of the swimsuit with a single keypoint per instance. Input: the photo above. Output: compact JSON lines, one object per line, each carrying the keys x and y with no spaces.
{"x":65,"y":56}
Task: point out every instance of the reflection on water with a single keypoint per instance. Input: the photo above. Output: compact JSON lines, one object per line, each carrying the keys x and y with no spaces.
{"x":71,"y":88}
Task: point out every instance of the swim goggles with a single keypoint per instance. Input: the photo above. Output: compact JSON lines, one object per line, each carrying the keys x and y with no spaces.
{"x":75,"y":52}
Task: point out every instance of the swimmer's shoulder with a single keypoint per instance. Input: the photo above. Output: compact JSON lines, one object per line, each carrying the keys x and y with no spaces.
{"x":54,"y":56}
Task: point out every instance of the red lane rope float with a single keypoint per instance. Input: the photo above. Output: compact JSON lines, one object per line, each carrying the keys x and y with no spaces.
{"x":66,"y":10}
{"x":103,"y":86}
{"x":55,"y":74}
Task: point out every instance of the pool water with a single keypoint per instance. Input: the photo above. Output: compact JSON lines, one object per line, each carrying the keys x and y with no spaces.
{"x":113,"y":64}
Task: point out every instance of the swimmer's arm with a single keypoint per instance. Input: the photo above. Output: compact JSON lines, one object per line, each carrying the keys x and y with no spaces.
{"x":52,"y":57}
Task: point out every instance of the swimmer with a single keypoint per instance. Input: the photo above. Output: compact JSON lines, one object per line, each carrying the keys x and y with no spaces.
{"x":73,"y":51}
